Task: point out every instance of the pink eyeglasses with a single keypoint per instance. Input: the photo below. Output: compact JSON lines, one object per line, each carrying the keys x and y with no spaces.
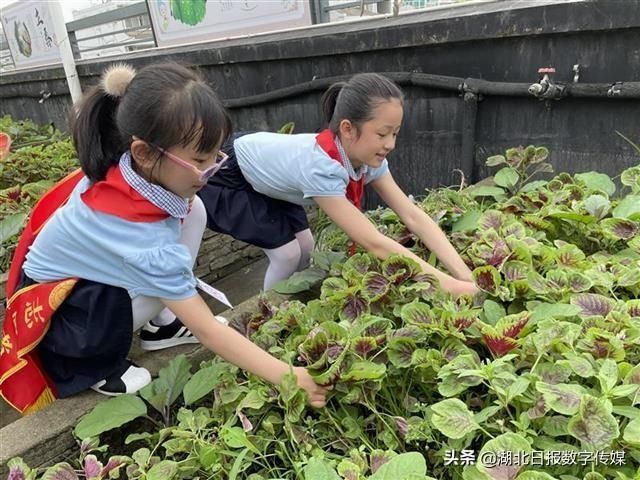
{"x":203,"y":175}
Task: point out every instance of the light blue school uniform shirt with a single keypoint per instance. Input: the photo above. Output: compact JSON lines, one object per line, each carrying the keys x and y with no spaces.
{"x":294,"y":168}
{"x":145,"y":258}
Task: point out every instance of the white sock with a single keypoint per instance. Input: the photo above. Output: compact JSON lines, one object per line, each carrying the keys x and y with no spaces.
{"x":306,"y":242}
{"x":283,"y":262}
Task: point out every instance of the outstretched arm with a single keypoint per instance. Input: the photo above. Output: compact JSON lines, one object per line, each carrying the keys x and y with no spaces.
{"x":358,"y":227}
{"x":236,"y":349}
{"x":419,"y":223}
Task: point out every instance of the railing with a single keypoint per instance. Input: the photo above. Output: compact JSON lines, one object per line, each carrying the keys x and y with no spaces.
{"x":129,"y":28}
{"x":121,"y":30}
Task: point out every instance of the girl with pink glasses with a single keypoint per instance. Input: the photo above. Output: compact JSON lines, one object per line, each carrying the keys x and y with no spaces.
{"x":110,"y":249}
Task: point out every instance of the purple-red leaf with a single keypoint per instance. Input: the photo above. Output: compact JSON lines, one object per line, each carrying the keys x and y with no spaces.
{"x":354,"y":306}
{"x":487,"y":279}
{"x":592,"y":304}
{"x":375,"y":286}
{"x":620,"y":228}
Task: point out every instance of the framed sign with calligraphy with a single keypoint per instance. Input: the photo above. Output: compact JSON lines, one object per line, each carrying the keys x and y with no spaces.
{"x":178,"y":22}
{"x":28,"y":28}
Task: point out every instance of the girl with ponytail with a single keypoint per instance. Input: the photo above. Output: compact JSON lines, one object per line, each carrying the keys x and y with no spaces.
{"x":110,"y":249}
{"x":259,"y":196}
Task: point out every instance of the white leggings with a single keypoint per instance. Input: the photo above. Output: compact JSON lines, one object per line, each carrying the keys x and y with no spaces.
{"x":289,"y":258}
{"x":151,"y":308}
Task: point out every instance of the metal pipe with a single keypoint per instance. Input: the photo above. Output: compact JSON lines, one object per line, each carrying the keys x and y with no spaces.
{"x":468,"y":148}
{"x":478,"y":86}
{"x":456,"y":84}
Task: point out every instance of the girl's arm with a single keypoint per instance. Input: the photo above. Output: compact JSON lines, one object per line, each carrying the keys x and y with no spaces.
{"x":421,"y":225}
{"x":233,"y":347}
{"x":358,"y":227}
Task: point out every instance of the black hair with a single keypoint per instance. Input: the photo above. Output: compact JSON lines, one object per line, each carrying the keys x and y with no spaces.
{"x":165,"y":104}
{"x":356,"y":99}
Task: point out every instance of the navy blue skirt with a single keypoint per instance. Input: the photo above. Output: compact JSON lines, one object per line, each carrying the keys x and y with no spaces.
{"x":236,"y":209}
{"x":89,"y":336}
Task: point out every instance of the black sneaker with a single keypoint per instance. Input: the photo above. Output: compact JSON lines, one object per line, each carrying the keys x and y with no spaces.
{"x":157,"y":338}
{"x":129,"y":379}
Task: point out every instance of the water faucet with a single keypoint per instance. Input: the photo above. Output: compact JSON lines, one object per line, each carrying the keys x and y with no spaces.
{"x":546,"y":88}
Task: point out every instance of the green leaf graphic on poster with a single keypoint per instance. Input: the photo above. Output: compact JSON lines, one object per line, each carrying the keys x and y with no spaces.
{"x":190,"y":12}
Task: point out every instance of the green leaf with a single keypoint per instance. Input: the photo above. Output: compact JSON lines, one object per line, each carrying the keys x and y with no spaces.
{"x":486,"y":191}
{"x":535,"y":476}
{"x":594,"y":425}
{"x":629,"y":207}
{"x":300,"y":281}
{"x":452,"y":418}
{"x":111,"y":414}
{"x":403,"y":466}
{"x":561,"y":398}
{"x":631,"y":176}
{"x":468,"y":221}
{"x":495,"y":160}
{"x":597,"y":205}
{"x":201,"y":383}
{"x":11,"y":225}
{"x":507,"y":177}
{"x":172,"y":378}
{"x":324,"y":260}
{"x":60,"y":471}
{"x":632,"y":433}
{"x":238,"y":464}
{"x":493,"y":311}
{"x":319,"y":469}
{"x":507,"y":442}
{"x":287,"y":128}
{"x":597,"y":181}
{"x":533,"y":186}
{"x":236,"y":437}
{"x":580,"y":365}
{"x":623,"y":391}
{"x":165,"y":470}
{"x":554,"y":310}
{"x":517,"y":388}
{"x":608,"y":375}
{"x":577,"y":217}
{"x":364,"y":370}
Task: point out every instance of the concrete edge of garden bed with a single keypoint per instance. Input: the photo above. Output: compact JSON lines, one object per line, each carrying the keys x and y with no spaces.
{"x":45,"y":437}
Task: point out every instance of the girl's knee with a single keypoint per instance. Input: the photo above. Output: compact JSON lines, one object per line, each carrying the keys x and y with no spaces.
{"x":306,"y":241}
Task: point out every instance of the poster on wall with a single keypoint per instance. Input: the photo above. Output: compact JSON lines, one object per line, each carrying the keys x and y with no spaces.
{"x":185,"y":21}
{"x":28,"y":28}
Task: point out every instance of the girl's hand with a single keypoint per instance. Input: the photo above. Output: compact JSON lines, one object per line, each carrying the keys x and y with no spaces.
{"x":317,"y":394}
{"x":459,"y":287}
{"x":465,"y":276}
{"x":464,"y":288}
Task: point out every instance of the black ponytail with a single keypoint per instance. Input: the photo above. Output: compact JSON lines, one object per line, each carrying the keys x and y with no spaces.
{"x":356,"y":99}
{"x":165,"y":104}
{"x":330,"y":99}
{"x":95,"y":134}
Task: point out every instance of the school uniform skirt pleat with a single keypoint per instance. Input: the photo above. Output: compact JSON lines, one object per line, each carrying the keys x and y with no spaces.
{"x":236,"y":209}
{"x":89,"y":336}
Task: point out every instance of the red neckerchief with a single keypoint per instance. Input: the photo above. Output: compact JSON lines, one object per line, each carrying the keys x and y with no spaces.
{"x":355,"y":188}
{"x":115,"y":196}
